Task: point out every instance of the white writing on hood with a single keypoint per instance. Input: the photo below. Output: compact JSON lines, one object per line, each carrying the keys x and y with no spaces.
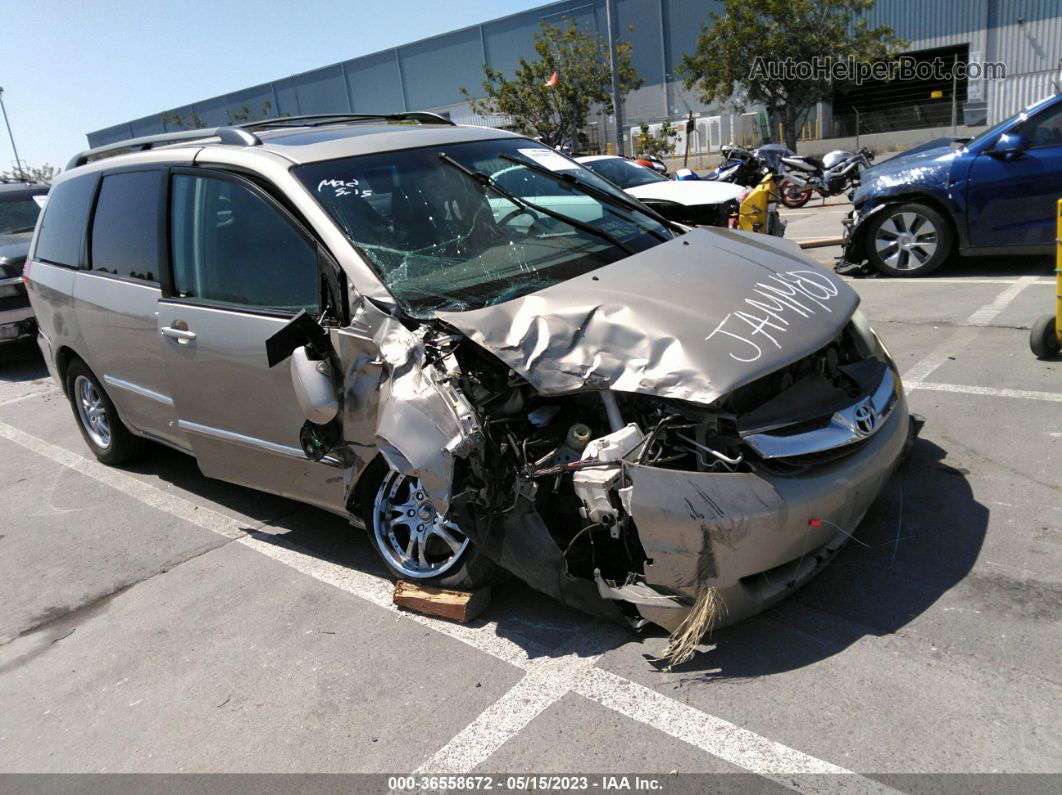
{"x":774,"y":302}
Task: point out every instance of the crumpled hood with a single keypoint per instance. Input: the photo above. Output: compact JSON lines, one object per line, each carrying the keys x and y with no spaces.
{"x":688,"y":192}
{"x":693,"y":318}
{"x":921,"y":166}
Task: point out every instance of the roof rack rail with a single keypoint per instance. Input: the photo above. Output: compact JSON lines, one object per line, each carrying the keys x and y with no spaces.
{"x":226,"y":135}
{"x":242,"y":135}
{"x":316,"y":119}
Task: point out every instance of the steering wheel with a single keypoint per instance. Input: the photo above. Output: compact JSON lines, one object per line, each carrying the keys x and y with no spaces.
{"x":515,"y":214}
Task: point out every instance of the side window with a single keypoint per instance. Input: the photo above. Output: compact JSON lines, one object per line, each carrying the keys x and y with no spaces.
{"x":63,"y":226}
{"x":1045,"y":129}
{"x":231,"y":246}
{"x":125,"y":227}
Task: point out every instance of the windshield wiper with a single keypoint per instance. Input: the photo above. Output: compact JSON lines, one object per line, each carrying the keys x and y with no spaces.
{"x":590,"y":190}
{"x":485,"y":180}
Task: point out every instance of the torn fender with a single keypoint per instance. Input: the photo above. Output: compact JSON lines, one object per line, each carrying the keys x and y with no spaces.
{"x":423,"y":422}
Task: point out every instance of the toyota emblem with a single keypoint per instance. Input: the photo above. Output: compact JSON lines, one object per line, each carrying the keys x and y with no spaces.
{"x":865,"y":419}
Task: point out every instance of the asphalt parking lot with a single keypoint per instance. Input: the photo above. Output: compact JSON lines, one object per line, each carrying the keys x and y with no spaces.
{"x":157,"y":621}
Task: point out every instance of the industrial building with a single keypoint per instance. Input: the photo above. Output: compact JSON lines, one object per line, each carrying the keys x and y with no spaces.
{"x":1024,"y":36}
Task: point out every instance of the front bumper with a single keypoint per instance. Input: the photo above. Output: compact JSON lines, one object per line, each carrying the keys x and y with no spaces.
{"x":753,"y":537}
{"x":855,"y":224}
{"x":16,"y":322}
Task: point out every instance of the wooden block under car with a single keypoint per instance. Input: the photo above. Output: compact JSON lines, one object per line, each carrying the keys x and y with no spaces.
{"x":460,"y":606}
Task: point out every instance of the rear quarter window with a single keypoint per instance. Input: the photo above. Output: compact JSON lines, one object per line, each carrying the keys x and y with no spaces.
{"x":125,"y":227}
{"x":63,"y":226}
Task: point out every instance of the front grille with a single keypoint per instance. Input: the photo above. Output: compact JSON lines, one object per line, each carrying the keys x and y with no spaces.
{"x":799,"y":462}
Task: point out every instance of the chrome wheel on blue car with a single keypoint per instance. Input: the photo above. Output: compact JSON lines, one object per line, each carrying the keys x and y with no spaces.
{"x":909,"y":240}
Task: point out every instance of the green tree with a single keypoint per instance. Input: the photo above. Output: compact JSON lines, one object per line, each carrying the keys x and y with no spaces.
{"x":181,"y":122}
{"x":661,"y":145}
{"x":245,"y":113}
{"x":551,"y":97}
{"x":733,"y":59}
{"x":44,"y":174}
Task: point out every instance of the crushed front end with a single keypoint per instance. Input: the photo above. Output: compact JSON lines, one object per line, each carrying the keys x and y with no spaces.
{"x":635,"y":507}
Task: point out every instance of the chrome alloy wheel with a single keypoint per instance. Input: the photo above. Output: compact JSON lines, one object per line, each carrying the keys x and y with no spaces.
{"x":906,"y":241}
{"x":412,"y":536}
{"x":93,"y":412}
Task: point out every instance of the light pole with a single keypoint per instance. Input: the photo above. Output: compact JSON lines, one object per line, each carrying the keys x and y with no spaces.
{"x":617,"y":108}
{"x":18,"y":162}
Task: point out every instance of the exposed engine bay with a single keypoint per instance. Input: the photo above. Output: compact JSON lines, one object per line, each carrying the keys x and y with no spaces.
{"x":543,"y":483}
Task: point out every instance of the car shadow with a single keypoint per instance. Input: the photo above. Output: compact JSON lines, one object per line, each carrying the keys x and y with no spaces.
{"x":974,"y":267}
{"x":919,"y":539}
{"x":996,"y":266}
{"x":535,"y":622}
{"x":21,"y":361}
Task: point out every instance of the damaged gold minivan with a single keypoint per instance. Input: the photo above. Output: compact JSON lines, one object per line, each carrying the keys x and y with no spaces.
{"x":491,"y":358}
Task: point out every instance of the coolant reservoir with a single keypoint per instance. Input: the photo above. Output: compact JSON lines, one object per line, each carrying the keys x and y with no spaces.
{"x":574,"y":444}
{"x":578,"y":437}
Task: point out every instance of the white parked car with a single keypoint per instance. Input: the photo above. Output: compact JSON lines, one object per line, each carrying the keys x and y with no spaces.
{"x":692,"y":202}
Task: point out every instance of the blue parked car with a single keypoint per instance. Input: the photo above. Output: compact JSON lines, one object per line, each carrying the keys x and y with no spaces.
{"x":992,"y":195}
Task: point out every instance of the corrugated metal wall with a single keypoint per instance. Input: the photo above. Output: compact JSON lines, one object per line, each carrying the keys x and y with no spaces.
{"x":428,"y":74}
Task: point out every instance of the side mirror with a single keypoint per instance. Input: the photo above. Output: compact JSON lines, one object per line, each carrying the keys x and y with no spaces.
{"x":314,"y":388}
{"x":1009,"y":146}
{"x":303,"y":339}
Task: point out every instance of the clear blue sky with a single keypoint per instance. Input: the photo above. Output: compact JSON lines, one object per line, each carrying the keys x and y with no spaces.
{"x":72,"y":66}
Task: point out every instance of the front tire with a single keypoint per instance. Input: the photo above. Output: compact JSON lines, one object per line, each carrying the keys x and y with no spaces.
{"x":97,"y":419}
{"x":414,"y":542}
{"x":909,"y":240}
{"x":1042,"y":338}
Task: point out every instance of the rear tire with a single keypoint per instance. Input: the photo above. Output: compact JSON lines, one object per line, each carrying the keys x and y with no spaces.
{"x":1042,"y":339}
{"x":792,"y":197}
{"x":412,"y":540}
{"x":909,"y":240}
{"x":97,"y":419}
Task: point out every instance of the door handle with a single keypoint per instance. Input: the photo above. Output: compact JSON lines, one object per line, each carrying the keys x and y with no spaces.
{"x":181,"y":335}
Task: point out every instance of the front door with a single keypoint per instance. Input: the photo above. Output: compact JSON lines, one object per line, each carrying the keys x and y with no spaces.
{"x":1012,"y":202}
{"x":241,"y":267}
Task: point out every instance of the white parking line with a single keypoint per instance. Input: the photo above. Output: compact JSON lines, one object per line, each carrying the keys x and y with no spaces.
{"x":505,"y":718}
{"x":28,"y":395}
{"x":1023,"y":394}
{"x":143,"y":492}
{"x":964,"y":335}
{"x":549,"y":673}
{"x":923,"y":282}
{"x":726,"y":740}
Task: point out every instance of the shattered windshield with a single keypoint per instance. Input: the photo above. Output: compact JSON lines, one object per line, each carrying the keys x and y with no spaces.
{"x":463,"y":226}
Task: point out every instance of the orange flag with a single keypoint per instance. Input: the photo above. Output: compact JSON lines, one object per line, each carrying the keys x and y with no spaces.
{"x":553,"y":80}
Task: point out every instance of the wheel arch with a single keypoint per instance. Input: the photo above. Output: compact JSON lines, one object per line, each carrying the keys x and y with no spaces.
{"x":943,"y":207}
{"x":64,"y":356}
{"x":363,"y":486}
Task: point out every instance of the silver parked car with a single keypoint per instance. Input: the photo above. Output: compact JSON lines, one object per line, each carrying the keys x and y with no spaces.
{"x":534,"y":374}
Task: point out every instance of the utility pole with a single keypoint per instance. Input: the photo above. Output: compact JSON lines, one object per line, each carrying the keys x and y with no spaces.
{"x":617,"y":111}
{"x":18,"y":163}
{"x":954,"y":98}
